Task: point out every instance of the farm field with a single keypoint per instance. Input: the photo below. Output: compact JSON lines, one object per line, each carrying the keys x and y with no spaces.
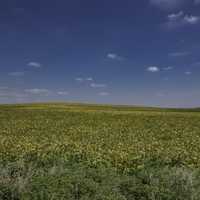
{"x":74,"y":151}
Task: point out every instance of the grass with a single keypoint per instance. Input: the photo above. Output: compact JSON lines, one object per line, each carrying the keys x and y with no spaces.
{"x":72,"y":151}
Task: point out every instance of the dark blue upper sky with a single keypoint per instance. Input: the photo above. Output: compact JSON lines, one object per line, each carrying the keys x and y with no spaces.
{"x":142,"y":52}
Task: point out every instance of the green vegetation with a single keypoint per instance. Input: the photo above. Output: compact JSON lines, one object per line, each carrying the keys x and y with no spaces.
{"x":71,"y":151}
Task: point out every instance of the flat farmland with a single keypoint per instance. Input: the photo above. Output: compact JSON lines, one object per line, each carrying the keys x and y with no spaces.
{"x":77,"y":151}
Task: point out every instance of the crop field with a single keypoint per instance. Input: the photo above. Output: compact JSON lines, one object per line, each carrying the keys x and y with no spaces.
{"x":72,"y":151}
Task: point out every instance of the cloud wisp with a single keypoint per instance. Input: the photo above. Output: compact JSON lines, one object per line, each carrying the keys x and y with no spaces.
{"x":34,"y":64}
{"x":188,"y":73}
{"x":177,"y":20}
{"x":89,"y":79}
{"x":81,"y":79}
{"x":97,"y":85}
{"x":114,"y":56}
{"x":63,"y":93}
{"x":38,"y":91}
{"x":153,"y":69}
{"x":26,"y":95}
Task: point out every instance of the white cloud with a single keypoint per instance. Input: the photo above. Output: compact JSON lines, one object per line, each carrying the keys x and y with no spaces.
{"x":62,"y":93}
{"x":103,"y":93}
{"x":34,"y":64}
{"x":168,"y":4}
{"x":114,"y":56}
{"x":179,"y":54}
{"x":153,"y":69}
{"x":180,"y":19}
{"x":95,"y":85}
{"x":17,"y":74}
{"x":37,"y":91}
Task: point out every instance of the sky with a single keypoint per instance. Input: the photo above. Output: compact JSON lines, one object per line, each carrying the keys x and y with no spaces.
{"x":141,"y":52}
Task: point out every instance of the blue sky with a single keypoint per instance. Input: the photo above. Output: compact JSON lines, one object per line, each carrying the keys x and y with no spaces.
{"x":142,"y":52}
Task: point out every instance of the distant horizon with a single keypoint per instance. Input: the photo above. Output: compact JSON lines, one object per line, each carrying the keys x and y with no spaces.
{"x":96,"y":104}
